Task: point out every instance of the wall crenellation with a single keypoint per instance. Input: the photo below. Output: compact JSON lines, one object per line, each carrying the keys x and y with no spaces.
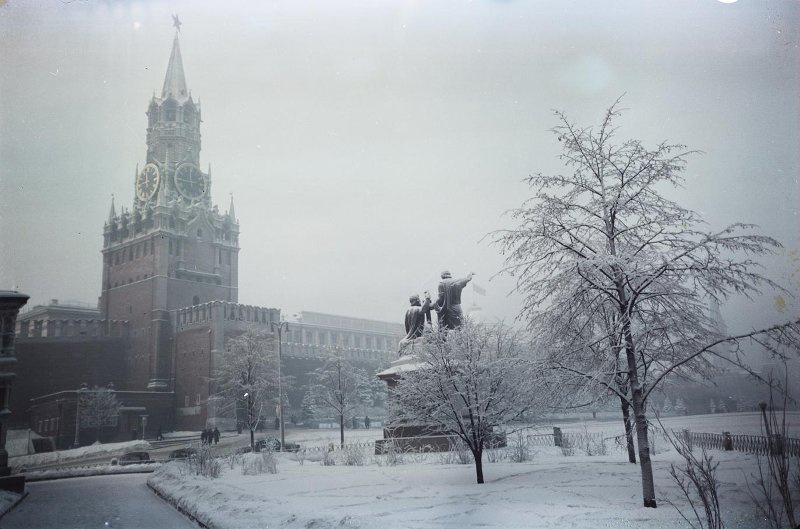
{"x":226,"y":311}
{"x":61,"y":328}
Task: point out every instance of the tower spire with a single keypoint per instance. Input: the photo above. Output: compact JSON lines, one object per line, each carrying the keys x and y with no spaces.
{"x":112,"y":212}
{"x":175,"y":81}
{"x":231,"y":211}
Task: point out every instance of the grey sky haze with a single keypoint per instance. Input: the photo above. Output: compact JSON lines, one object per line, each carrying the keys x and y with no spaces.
{"x":369,"y":145}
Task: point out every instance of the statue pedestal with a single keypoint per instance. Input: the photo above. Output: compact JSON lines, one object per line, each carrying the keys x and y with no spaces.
{"x":406,"y":437}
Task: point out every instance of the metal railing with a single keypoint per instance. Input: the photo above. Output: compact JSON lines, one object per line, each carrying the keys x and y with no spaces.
{"x":751,"y":444}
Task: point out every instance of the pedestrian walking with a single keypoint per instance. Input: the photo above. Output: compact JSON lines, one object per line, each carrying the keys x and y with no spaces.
{"x":203,"y":437}
{"x":216,"y":435}
{"x":366,"y":421}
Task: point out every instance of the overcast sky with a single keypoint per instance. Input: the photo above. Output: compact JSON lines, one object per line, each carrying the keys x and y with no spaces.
{"x":369,"y":145}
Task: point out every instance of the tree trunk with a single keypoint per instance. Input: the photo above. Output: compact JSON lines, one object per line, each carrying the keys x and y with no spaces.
{"x":648,"y":487}
{"x":251,"y":422}
{"x":478,"y":457}
{"x":341,"y":430}
{"x":626,"y":418}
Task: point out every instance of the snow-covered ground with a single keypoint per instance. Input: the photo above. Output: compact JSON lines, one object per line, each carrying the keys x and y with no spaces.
{"x":84,"y":452}
{"x":551,"y":490}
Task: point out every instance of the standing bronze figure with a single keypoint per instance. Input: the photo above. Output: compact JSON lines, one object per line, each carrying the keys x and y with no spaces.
{"x":448,"y":305}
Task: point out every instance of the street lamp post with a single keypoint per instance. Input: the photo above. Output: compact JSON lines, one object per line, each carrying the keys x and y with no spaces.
{"x":78,"y":394}
{"x":280,"y":326}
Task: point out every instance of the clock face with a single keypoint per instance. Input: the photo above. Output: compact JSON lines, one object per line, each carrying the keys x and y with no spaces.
{"x":189,"y":181}
{"x":147,"y":182}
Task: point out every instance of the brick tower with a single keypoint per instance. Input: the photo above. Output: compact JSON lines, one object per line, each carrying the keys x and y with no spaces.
{"x":173,"y":248}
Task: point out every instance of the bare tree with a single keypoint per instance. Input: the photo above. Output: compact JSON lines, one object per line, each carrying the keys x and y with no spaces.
{"x":777,"y":496}
{"x":247,"y":376}
{"x":602,"y":239}
{"x":99,"y":408}
{"x":469,"y":382}
{"x":339,"y":388}
{"x":697,"y":480}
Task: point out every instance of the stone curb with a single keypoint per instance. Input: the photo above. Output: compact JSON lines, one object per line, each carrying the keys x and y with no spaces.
{"x":167,"y":498}
{"x":33,"y":478}
{"x":13,"y":505}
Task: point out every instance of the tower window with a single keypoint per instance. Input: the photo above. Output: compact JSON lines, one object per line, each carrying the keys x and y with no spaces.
{"x":170,"y":111}
{"x":199,"y":233}
{"x":196,"y":300}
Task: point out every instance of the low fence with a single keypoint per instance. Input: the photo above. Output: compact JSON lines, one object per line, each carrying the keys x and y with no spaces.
{"x":751,"y":444}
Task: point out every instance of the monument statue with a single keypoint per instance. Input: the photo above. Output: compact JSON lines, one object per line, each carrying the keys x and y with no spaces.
{"x":448,"y":305}
{"x":416,"y":315}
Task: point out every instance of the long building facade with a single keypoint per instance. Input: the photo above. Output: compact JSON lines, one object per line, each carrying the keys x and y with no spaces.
{"x":169,"y":297}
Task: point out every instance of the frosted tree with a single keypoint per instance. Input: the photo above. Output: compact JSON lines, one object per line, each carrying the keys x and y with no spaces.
{"x":469,"y":382}
{"x":247,"y":376}
{"x":99,"y":408}
{"x":339,"y":388}
{"x":603,"y":237}
{"x":667,"y":407}
{"x":680,"y":406}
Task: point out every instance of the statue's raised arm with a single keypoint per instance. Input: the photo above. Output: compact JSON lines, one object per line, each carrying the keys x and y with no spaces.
{"x":448,"y":304}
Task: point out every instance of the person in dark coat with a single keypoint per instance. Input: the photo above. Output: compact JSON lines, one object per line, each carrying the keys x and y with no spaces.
{"x":216,"y":435}
{"x":203,"y":437}
{"x":366,"y":421}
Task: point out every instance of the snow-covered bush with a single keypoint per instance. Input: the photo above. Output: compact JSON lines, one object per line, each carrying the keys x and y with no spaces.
{"x":696,"y":478}
{"x":777,"y":487}
{"x":254,"y":464}
{"x":462,"y":453}
{"x":495,"y":454}
{"x":233,"y":459}
{"x":392,"y":455}
{"x":353,"y":455}
{"x":519,"y":451}
{"x":205,"y":463}
{"x":300,"y":456}
{"x":595,"y":445}
{"x":446,"y":458}
{"x":270,"y":461}
{"x":328,"y":458}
